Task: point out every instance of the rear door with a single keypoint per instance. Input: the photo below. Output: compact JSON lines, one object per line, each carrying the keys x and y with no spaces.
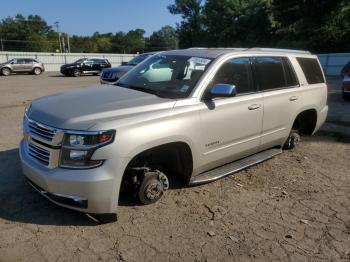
{"x":280,"y":89}
{"x":28,"y":65}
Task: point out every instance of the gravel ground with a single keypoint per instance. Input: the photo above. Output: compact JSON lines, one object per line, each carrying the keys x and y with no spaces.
{"x":294,"y":207}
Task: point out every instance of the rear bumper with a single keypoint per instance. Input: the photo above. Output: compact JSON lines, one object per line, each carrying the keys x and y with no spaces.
{"x":321,"y":118}
{"x":346,"y":86}
{"x":90,"y":190}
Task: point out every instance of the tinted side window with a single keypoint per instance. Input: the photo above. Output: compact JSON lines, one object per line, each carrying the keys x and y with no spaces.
{"x":312,"y":70}
{"x":236,"y":72}
{"x":99,"y":61}
{"x":270,"y":73}
{"x":21,"y":61}
{"x":291,"y":78}
{"x":29,"y":61}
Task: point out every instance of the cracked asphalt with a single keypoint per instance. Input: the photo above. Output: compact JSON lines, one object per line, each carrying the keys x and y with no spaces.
{"x":294,"y":207}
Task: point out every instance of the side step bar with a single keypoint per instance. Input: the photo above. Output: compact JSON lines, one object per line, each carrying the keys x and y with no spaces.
{"x":234,"y":167}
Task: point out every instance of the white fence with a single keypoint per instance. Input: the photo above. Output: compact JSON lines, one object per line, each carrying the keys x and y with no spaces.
{"x":333,"y":63}
{"x":53,"y":61}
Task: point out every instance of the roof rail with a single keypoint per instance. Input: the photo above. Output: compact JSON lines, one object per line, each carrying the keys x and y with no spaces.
{"x":279,"y":50}
{"x":218,"y":48}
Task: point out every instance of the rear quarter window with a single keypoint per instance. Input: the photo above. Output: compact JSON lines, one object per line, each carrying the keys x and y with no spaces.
{"x":311,"y":69}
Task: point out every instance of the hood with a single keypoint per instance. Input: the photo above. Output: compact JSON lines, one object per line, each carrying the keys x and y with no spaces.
{"x":82,"y":109}
{"x":118,"y":69}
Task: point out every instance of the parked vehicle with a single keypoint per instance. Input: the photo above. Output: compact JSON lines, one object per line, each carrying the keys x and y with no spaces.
{"x":345,"y":73}
{"x":22,"y":65}
{"x":111,"y":75}
{"x":195,"y":115}
{"x":85,"y":66}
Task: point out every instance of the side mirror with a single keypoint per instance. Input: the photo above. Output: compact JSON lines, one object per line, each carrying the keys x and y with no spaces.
{"x":221,"y":90}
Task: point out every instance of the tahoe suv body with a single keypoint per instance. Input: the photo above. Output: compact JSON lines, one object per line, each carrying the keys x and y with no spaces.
{"x":191,"y":115}
{"x":85,"y":66}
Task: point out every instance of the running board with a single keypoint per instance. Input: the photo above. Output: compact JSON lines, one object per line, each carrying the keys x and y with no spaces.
{"x":234,"y":167}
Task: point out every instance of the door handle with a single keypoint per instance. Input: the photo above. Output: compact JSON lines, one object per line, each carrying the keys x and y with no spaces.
{"x":293,"y":98}
{"x":254,"y":107}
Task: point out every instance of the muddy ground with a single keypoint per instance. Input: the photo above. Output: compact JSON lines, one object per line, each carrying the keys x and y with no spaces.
{"x":294,"y":207}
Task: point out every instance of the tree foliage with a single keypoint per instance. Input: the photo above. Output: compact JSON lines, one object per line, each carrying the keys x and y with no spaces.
{"x":164,"y":39}
{"x":33,"y":31}
{"x":190,"y":31}
{"x":34,"y":34}
{"x":316,"y":25}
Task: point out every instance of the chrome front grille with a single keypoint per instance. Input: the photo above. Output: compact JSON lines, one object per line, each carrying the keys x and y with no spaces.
{"x":107,"y":75}
{"x":39,"y":153}
{"x":42,"y":131}
{"x":42,"y":142}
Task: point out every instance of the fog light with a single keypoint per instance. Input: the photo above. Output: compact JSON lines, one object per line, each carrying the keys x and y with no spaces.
{"x":77,"y":155}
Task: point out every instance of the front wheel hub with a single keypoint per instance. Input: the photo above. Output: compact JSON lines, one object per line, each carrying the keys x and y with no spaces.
{"x":154,"y":190}
{"x":152,"y":187}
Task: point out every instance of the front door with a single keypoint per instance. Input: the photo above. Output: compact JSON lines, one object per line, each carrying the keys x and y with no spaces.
{"x":19,"y":65}
{"x":88,"y":66}
{"x":231,"y":126}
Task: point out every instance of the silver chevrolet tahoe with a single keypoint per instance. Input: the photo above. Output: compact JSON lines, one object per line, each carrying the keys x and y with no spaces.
{"x":193,"y":115}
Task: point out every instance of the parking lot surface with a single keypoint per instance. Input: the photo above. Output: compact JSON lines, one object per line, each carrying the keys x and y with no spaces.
{"x":294,"y":207}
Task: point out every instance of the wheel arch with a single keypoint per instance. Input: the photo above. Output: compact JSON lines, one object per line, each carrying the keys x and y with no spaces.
{"x":6,"y":67}
{"x":306,"y":121}
{"x":37,"y":67}
{"x":177,"y":153}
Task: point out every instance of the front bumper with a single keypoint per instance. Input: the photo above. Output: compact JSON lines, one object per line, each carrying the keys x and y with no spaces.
{"x":97,"y":189}
{"x":108,"y":82}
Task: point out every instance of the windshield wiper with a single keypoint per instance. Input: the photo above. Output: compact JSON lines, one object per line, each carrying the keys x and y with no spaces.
{"x":141,"y":89}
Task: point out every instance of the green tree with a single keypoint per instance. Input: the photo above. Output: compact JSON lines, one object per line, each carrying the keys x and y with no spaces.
{"x":235,"y":23}
{"x":190,"y":31}
{"x":316,"y":25}
{"x":30,"y":34}
{"x":135,"y":41}
{"x":164,"y":39}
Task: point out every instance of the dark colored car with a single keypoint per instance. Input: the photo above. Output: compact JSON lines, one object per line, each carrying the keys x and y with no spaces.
{"x":85,"y":66}
{"x":345,"y":72}
{"x":22,"y":65}
{"x":111,"y":75}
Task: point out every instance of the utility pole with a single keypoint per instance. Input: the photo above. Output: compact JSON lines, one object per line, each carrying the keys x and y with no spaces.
{"x":57,"y":25}
{"x":64,"y":45}
{"x":68,"y":43}
{"x":2,"y":45}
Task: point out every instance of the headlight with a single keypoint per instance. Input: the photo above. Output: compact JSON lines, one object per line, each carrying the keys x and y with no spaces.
{"x":26,"y":109}
{"x":78,"y":148}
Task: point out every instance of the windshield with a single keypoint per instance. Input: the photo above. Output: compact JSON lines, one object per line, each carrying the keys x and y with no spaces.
{"x":166,"y":76}
{"x":138,"y":59}
{"x":79,"y":61}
